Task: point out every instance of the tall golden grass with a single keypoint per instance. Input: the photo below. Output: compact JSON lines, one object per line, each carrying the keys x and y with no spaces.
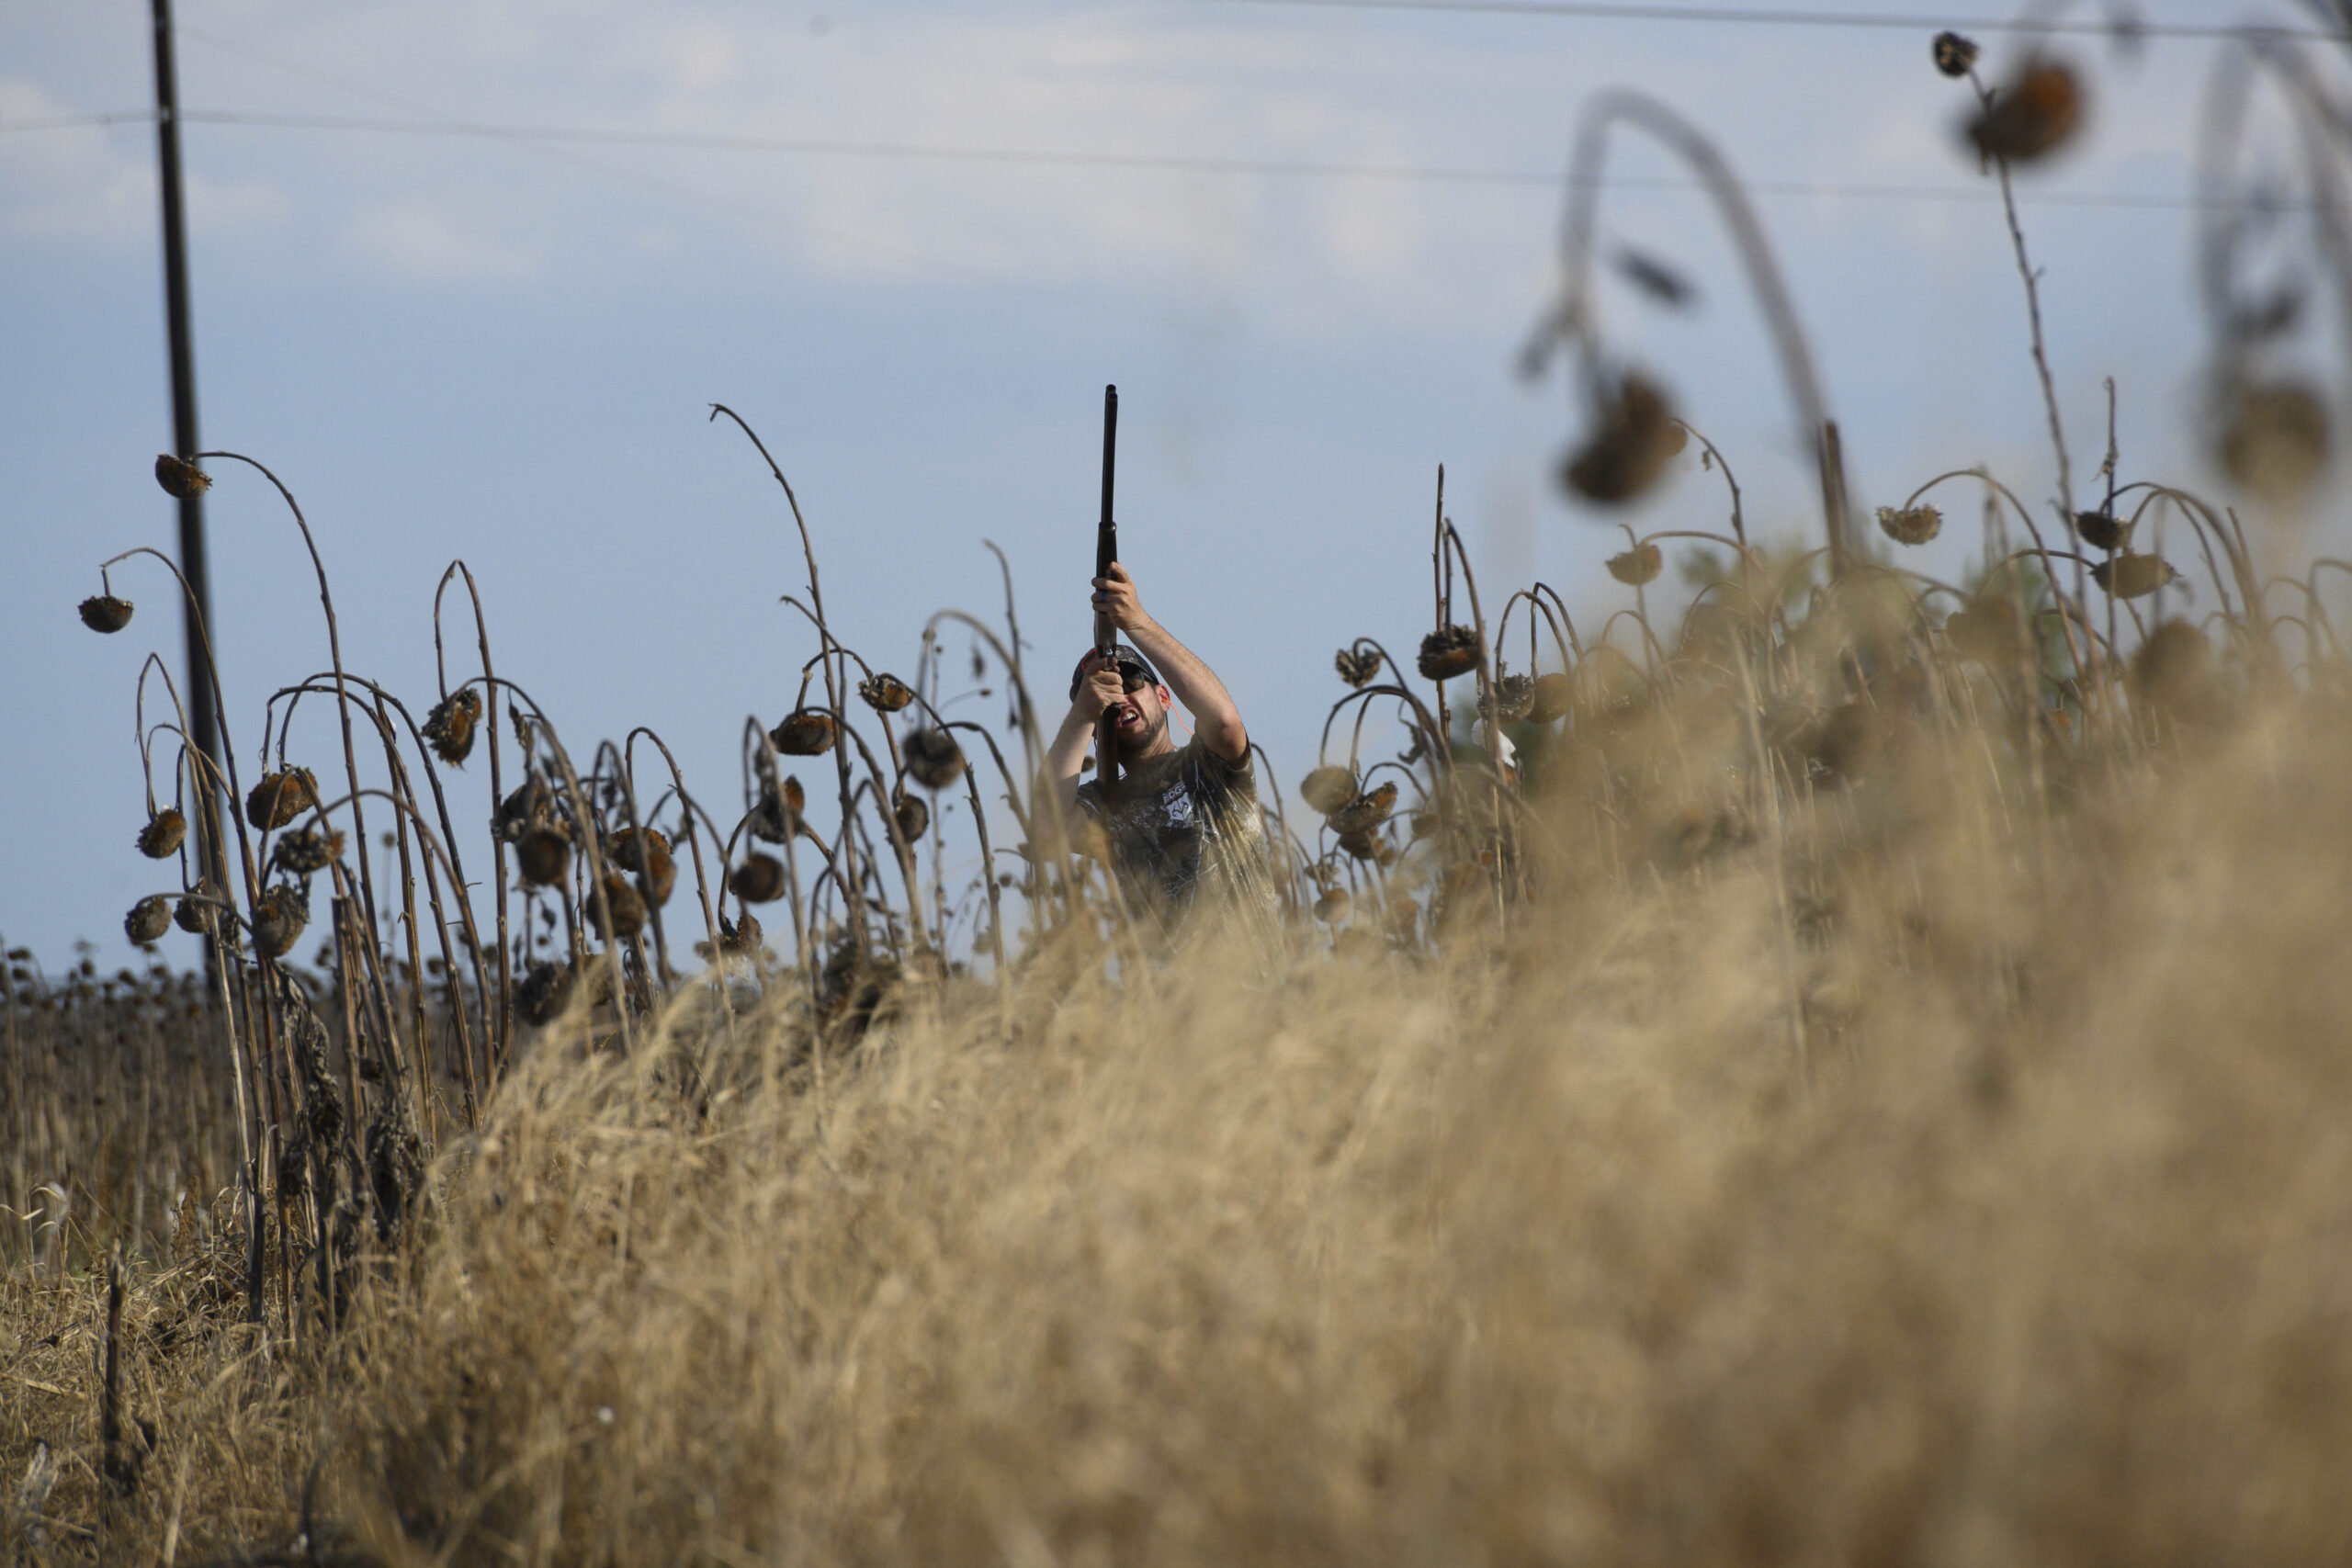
{"x":1993,"y":1209}
{"x":1559,"y":1250}
{"x":1854,"y":1073}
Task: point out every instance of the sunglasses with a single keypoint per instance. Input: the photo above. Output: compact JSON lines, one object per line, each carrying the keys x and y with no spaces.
{"x":1133,"y":677}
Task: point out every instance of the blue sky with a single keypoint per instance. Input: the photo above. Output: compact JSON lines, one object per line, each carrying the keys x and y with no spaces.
{"x":505,"y":350}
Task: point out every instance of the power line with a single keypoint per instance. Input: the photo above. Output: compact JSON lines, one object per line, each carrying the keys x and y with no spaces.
{"x":1623,"y":11}
{"x":80,"y":121}
{"x":1303,"y":169}
{"x":1171,"y":163}
{"x":798,"y":224}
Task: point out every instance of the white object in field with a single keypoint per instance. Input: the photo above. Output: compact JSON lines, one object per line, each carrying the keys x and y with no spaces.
{"x":1498,"y":744}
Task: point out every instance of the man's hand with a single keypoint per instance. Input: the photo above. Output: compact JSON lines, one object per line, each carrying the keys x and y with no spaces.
{"x":1101,"y":687}
{"x":1115,"y":596}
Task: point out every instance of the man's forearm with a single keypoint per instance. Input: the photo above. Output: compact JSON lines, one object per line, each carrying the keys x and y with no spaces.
{"x":1197,"y":687}
{"x":1066,"y":757}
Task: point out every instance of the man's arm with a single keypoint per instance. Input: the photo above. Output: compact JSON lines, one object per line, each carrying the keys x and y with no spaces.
{"x":1066,"y":757}
{"x":1196,"y":686}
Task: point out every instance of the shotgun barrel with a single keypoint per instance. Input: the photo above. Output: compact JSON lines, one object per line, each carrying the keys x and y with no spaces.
{"x":1106,"y":636}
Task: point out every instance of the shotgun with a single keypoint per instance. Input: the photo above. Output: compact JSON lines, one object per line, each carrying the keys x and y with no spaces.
{"x":1106,"y":636}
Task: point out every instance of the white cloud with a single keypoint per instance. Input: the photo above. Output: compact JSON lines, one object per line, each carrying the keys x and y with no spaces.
{"x":1314,"y":255}
{"x":1090,"y":80}
{"x":703,"y":56}
{"x":99,"y":182}
{"x":415,"y":238}
{"x":1373,"y":231}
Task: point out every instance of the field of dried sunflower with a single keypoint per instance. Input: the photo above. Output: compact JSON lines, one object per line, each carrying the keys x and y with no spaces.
{"x":1850,"y":1070}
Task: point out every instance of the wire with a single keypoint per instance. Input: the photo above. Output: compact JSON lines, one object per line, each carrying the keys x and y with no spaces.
{"x":794,"y":223}
{"x":1164,"y":162}
{"x":79,"y":121}
{"x":1604,"y":10}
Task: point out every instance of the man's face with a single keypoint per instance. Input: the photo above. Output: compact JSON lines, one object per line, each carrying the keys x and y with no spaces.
{"x":1142,"y":713}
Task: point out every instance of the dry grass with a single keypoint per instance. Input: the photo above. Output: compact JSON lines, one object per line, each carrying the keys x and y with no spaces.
{"x":1554,"y":1248}
{"x":1556,"y":1255}
{"x":1869,"y":1088}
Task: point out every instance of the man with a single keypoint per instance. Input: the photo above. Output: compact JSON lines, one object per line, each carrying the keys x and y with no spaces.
{"x":1185,"y":830}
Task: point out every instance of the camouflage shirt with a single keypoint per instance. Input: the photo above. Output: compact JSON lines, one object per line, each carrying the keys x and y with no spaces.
{"x":1186,"y":833}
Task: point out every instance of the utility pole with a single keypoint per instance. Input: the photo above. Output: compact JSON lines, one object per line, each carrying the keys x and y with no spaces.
{"x":210,"y":851}
{"x":211,"y":828}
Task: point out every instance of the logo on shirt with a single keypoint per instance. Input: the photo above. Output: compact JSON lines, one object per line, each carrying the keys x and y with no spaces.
{"x":1177,"y":803}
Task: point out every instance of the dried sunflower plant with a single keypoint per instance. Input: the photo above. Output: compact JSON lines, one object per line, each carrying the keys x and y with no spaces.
{"x":348,"y":1072}
{"x":1841,"y":1063}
